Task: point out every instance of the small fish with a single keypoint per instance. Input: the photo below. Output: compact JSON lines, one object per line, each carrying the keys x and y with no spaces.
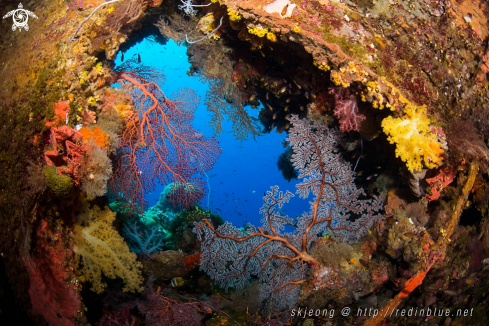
{"x":302,"y":108}
{"x":363,"y":262}
{"x":271,"y":109}
{"x":307,"y":95}
{"x":370,"y":177}
{"x":283,"y":89}
{"x":177,"y":282}
{"x":450,"y":293}
{"x":410,"y":234}
{"x":298,"y":86}
{"x":485,"y":261}
{"x":286,"y":109}
{"x":253,"y":191}
{"x":287,"y":100}
{"x":391,"y":252}
{"x":392,"y":221}
{"x":462,"y":167}
{"x":359,"y":173}
{"x":284,"y":11}
{"x":252,"y":97}
{"x":274,"y":116}
{"x":267,"y":96}
{"x":262,"y":54}
{"x":122,"y":56}
{"x":381,"y":239}
{"x":139,"y":58}
{"x":471,"y":280}
{"x":284,"y":144}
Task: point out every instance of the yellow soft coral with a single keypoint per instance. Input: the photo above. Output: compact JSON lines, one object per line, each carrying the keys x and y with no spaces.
{"x":103,"y":250}
{"x":414,"y":141}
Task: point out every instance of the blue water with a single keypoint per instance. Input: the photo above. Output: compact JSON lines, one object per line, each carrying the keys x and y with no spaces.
{"x":245,"y":170}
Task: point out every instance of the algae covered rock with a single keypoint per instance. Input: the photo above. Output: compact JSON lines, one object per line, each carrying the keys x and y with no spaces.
{"x":62,"y":185}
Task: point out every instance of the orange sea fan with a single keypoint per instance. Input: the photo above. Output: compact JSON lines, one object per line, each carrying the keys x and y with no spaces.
{"x":100,"y":137}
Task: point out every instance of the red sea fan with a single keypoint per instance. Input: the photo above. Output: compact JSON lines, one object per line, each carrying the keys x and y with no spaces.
{"x":165,"y":311}
{"x":159,"y":144}
{"x":118,"y":318}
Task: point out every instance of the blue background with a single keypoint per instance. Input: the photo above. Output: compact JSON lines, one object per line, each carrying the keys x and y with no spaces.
{"x":245,"y":170}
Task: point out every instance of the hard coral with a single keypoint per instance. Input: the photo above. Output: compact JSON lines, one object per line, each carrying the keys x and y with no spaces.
{"x":62,"y":185}
{"x":67,"y":151}
{"x":438,"y":182}
{"x":61,"y":110}
{"x":415,"y":142}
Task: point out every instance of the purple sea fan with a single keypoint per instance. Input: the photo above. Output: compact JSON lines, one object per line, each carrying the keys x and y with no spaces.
{"x":280,"y":260}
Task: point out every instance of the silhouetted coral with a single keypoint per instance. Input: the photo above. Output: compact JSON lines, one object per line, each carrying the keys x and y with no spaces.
{"x":465,"y":142}
{"x":285,"y":165}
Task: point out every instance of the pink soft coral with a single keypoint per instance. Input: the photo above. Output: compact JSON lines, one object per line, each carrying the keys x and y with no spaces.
{"x":346,"y":109}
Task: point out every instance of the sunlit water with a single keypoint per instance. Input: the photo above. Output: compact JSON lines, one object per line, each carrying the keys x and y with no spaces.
{"x":245,"y":170}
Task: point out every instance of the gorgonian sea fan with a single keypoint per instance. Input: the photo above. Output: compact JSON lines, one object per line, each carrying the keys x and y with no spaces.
{"x":280,"y":259}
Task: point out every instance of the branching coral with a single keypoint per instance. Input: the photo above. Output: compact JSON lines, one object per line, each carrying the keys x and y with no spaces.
{"x":415,"y":144}
{"x":281,"y":259}
{"x":103,"y":250}
{"x":176,"y":28}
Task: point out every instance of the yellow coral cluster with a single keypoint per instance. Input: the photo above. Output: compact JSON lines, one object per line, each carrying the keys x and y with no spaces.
{"x":414,"y":141}
{"x":103,"y":250}
{"x":234,"y":15}
{"x":258,"y":31}
{"x":349,"y":73}
{"x":322,"y":66}
{"x":271,"y":37}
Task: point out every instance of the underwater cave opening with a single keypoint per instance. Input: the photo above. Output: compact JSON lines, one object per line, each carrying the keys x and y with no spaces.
{"x":471,"y":215}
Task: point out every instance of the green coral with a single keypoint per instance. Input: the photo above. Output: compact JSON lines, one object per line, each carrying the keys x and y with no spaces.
{"x":62,"y":185}
{"x":181,"y":226}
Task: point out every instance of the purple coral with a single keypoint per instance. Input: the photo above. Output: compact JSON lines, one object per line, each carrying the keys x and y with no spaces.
{"x":231,"y":256}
